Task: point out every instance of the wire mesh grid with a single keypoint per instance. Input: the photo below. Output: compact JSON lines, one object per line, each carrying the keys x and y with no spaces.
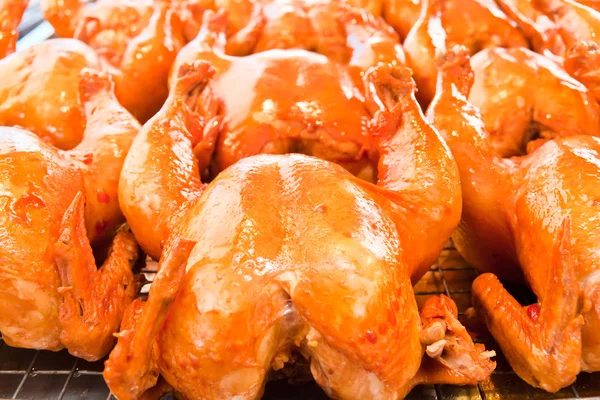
{"x":30,"y":374}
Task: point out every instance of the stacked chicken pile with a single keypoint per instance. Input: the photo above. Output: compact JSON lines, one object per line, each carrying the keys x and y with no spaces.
{"x":279,"y":160}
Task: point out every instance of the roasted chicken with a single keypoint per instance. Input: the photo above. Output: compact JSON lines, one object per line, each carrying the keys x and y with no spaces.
{"x":522,"y":95}
{"x":55,"y":203}
{"x":476,"y":24}
{"x":534,"y":216}
{"x":243,"y":258}
{"x":138,"y":39}
{"x":11,"y":12}
{"x":280,"y":101}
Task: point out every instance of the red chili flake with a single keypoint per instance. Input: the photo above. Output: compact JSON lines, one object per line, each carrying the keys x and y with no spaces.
{"x":383,"y":329}
{"x":371,"y":337}
{"x":103,"y":197}
{"x":533,"y":312}
{"x":101,"y":226}
{"x":88,"y":158}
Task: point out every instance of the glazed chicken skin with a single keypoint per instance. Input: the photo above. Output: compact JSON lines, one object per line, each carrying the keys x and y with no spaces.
{"x":582,"y":62}
{"x":11,"y":12}
{"x":476,"y":24}
{"x":40,"y":90}
{"x":543,"y":34}
{"x":555,"y":26}
{"x":537,"y":213}
{"x":54,"y":203}
{"x":271,"y":231}
{"x":332,"y":28}
{"x":137,"y":39}
{"x":522,"y":95}
{"x":574,"y":21}
{"x":322,"y":112}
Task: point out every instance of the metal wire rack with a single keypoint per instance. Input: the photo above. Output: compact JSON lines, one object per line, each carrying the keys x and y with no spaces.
{"x":30,"y":374}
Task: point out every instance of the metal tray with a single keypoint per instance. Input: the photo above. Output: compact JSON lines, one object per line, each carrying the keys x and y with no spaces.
{"x":31,"y":374}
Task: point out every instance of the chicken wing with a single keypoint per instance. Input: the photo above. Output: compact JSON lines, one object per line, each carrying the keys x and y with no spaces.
{"x":244,"y":257}
{"x":538,"y":214}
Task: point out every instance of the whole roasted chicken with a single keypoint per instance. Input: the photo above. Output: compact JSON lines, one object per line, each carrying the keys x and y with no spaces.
{"x":55,"y":203}
{"x":285,"y":253}
{"x":11,"y":12}
{"x":137,"y":39}
{"x":476,"y":24}
{"x":259,"y":107}
{"x":534,"y":216}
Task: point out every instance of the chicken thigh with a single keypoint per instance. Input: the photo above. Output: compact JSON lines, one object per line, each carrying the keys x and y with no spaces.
{"x":281,"y":101}
{"x":138,"y":39}
{"x":538,"y":214}
{"x":285,"y":253}
{"x":54,"y":203}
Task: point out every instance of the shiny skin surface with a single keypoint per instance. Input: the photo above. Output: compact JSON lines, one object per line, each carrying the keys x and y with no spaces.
{"x":476,"y":24}
{"x":138,"y":39}
{"x":515,"y":110}
{"x":40,"y":91}
{"x":582,"y":62}
{"x":321,"y":111}
{"x":538,"y":212}
{"x":332,"y":28}
{"x":54,"y":203}
{"x":11,"y":12}
{"x":574,"y":21}
{"x":244,"y":256}
{"x":541,"y":31}
{"x":402,"y":14}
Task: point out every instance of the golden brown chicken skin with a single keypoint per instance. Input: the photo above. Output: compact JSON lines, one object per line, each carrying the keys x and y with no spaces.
{"x":11,"y":12}
{"x":244,"y":257}
{"x":538,"y":213}
{"x":282,"y":101}
{"x":523,"y":95}
{"x":40,"y":90}
{"x":543,"y":34}
{"x":574,"y":21}
{"x":335,"y":29}
{"x":138,"y":39}
{"x":476,"y":24}
{"x":54,"y":203}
